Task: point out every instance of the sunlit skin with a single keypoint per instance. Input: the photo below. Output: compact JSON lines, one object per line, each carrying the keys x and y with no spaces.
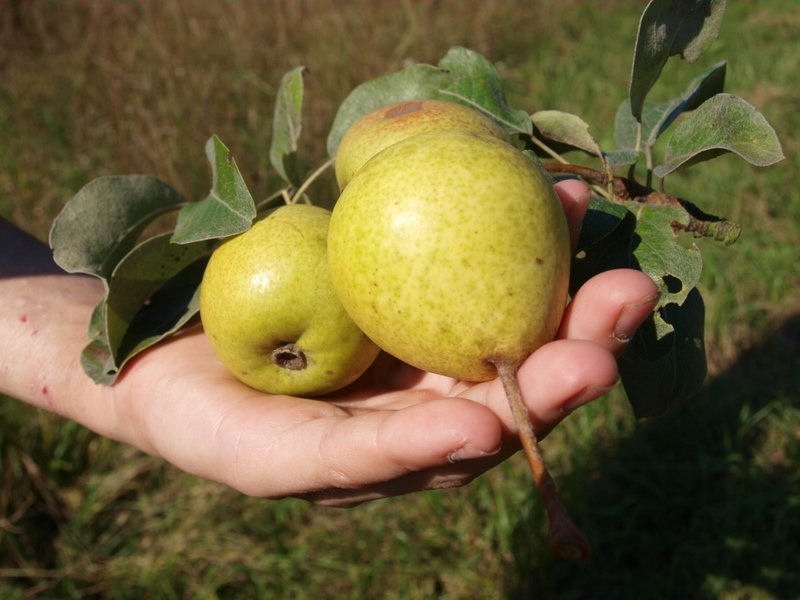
{"x":380,"y":437}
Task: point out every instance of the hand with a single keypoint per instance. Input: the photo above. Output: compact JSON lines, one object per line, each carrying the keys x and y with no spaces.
{"x":395,"y":431}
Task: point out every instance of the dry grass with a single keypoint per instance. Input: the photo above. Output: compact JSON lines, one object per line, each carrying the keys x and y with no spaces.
{"x":138,"y":87}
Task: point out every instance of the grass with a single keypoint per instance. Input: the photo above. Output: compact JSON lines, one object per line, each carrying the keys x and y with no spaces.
{"x":702,"y":503}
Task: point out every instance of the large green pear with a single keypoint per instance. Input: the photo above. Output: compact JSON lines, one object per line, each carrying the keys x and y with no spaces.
{"x":451,"y":251}
{"x":270,"y":311}
{"x":391,"y":123}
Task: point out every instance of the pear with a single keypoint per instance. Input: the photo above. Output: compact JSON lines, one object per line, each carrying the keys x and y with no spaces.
{"x":451,"y":251}
{"x":391,"y":123}
{"x":270,"y":311}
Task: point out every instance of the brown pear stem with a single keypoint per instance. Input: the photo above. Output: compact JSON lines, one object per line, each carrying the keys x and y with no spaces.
{"x":566,"y":540}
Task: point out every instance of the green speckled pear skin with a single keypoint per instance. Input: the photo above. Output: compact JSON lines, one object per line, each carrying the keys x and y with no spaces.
{"x":450,"y":249}
{"x":270,"y":286}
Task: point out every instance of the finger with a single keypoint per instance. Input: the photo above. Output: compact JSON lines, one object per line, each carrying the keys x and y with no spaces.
{"x":574,"y":195}
{"x":275,"y":446}
{"x":447,"y":476}
{"x":354,"y":452}
{"x":609,"y":308}
{"x":555,"y":380}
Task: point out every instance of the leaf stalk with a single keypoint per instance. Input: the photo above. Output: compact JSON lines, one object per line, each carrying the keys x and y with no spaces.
{"x":309,"y":180}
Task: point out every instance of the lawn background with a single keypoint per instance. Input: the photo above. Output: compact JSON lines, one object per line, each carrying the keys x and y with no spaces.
{"x":702,"y":503}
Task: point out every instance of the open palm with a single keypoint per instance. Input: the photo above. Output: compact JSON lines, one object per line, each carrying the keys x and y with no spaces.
{"x":395,"y":430}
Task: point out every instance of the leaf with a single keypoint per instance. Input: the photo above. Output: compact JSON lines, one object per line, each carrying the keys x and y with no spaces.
{"x":626,"y":127}
{"x":151,"y":293}
{"x":670,"y":28}
{"x":416,"y":82}
{"x":565,"y":128}
{"x":462,"y":76}
{"x":699,"y":90}
{"x":103,"y":221}
{"x":662,"y":253}
{"x":665,"y":362}
{"x":96,"y":358}
{"x":286,"y":122}
{"x":724,"y":123}
{"x":660,"y":371}
{"x":97,"y":363}
{"x":656,"y":117}
{"x":475,"y":82}
{"x":605,"y":241}
{"x":227,"y":210}
{"x":621,"y":158}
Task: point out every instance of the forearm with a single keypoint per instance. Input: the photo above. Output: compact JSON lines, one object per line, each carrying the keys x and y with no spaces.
{"x":43,"y":317}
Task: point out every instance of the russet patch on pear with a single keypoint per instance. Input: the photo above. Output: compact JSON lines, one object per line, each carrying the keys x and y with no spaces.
{"x":392,"y":123}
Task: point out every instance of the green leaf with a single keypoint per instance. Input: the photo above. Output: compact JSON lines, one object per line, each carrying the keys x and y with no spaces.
{"x":670,"y":28}
{"x":605,"y":241}
{"x":416,"y":82}
{"x":565,"y":128}
{"x":724,"y":123}
{"x":227,"y":210}
{"x":103,"y":221}
{"x":98,"y":363}
{"x":626,"y":127}
{"x":151,"y":293}
{"x":700,"y":89}
{"x":656,"y":117}
{"x":287,"y":124}
{"x":671,"y":260}
{"x":97,"y":323}
{"x":665,"y":363}
{"x":475,"y":82}
{"x":659,"y":371}
{"x":462,"y":76}
{"x":96,"y":358}
{"x":621,"y":158}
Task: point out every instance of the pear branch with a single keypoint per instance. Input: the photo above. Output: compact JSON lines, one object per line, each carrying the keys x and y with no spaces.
{"x":566,"y":540}
{"x":623,"y":189}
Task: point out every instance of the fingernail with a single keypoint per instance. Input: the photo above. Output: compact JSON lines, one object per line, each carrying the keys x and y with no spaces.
{"x":630,"y":317}
{"x":470,"y":452}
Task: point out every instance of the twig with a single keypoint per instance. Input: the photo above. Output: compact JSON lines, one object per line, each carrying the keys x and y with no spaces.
{"x":628,"y":190}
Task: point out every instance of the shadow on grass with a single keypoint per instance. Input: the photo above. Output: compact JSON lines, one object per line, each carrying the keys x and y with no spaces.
{"x":701,"y":503}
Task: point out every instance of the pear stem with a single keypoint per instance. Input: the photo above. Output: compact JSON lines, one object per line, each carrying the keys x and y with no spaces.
{"x":566,"y":540}
{"x":311,"y":178}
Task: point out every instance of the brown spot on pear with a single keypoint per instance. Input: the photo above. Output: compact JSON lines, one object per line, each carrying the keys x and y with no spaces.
{"x":392,"y":123}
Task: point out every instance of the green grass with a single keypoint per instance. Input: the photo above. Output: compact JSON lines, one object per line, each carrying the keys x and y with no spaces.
{"x":702,"y":503}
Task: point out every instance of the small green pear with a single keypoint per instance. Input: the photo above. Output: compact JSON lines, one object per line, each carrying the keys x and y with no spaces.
{"x":450,"y":250}
{"x":391,"y":123}
{"x":269,"y":309}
